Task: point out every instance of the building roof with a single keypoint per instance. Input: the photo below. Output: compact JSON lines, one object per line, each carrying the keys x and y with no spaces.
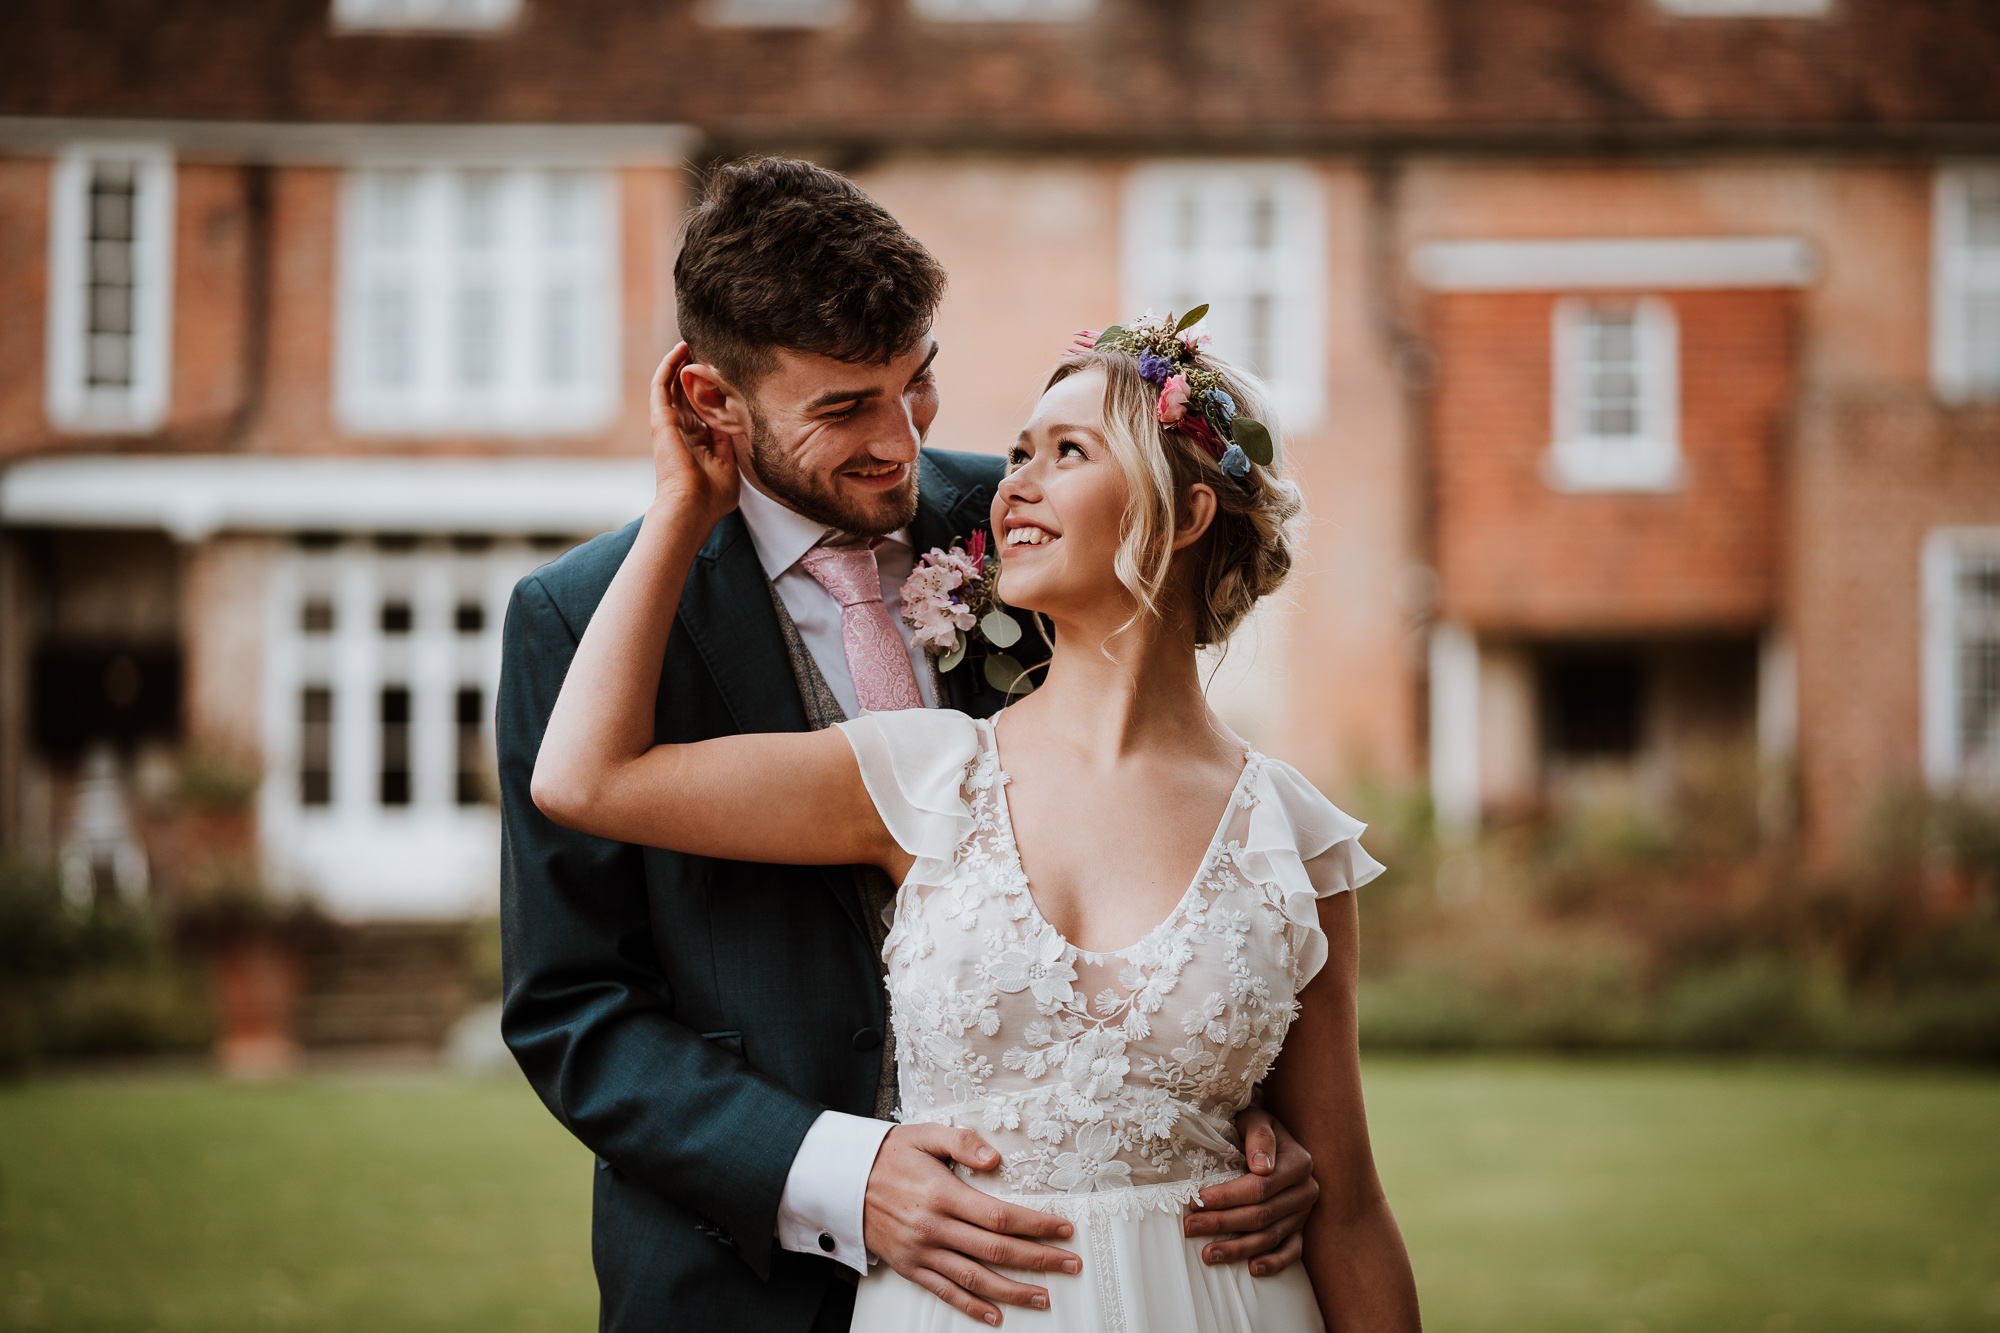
{"x":1153,"y":75}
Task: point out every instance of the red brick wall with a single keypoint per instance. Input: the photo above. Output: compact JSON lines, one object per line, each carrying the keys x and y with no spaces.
{"x":24,"y":259}
{"x":211,"y":287}
{"x":1516,"y":554}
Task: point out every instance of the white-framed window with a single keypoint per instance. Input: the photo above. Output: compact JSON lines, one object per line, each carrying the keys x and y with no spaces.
{"x":1961,"y":695}
{"x":477,"y":300}
{"x":1965,"y":283}
{"x":1615,"y":396}
{"x":1248,"y":239}
{"x":382,"y":662}
{"x":1004,"y":11}
{"x":424,"y":15}
{"x":111,"y":278}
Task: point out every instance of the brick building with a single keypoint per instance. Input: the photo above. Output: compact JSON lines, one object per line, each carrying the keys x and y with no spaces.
{"x":1640,"y":358}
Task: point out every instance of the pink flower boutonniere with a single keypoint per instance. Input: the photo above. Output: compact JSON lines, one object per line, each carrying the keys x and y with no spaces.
{"x":950,"y":598}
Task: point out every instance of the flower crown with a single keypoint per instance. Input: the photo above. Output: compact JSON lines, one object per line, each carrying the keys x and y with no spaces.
{"x":1192,"y":399}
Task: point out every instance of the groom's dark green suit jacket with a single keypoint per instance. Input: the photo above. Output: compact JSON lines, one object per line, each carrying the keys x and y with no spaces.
{"x":685,"y":1017}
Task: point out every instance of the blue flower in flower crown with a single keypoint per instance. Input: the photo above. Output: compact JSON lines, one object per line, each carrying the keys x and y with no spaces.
{"x":1222,"y":400}
{"x":1155,"y":367}
{"x":1235,"y":462}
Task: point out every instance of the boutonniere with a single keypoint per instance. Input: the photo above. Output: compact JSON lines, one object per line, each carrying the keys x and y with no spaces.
{"x":949,"y":600}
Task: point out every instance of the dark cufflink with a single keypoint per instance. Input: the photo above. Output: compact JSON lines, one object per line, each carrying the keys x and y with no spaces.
{"x":826,"y":1242}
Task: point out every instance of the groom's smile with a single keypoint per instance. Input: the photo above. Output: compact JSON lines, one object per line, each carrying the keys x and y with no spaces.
{"x":837,"y":441}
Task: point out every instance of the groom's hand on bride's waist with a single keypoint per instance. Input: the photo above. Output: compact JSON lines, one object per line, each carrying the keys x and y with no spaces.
{"x":1267,"y":1207}
{"x":942,"y":1234}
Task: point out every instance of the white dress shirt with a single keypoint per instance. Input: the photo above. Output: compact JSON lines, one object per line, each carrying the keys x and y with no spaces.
{"x":822,"y":1207}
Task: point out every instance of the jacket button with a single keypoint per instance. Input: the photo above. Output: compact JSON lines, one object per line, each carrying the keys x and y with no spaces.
{"x":867,"y":1039}
{"x":826,"y":1242}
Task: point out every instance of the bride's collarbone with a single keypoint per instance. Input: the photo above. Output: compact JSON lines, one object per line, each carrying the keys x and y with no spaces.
{"x":1107,"y":860}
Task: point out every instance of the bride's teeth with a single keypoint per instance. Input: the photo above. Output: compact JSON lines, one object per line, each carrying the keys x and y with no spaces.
{"x":1027,"y":537}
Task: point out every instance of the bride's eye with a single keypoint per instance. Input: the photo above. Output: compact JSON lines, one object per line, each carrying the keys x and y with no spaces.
{"x":1070,"y":449}
{"x":1017,"y":456}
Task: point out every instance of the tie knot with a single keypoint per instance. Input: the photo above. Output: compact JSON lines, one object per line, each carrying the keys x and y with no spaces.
{"x":848,"y":572}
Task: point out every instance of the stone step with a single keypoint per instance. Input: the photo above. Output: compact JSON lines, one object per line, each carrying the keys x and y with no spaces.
{"x":387,"y":983}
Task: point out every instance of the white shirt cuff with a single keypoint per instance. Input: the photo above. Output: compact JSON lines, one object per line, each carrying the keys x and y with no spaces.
{"x":826,"y":1190}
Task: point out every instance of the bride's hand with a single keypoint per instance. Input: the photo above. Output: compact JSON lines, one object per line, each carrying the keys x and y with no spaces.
{"x":694,"y":468}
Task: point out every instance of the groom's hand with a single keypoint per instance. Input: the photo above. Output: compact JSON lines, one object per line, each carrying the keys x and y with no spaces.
{"x":1268,"y":1207}
{"x":940,"y":1233}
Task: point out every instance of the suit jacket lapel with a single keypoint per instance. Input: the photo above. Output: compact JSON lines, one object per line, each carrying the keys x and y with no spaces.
{"x":727,"y":615}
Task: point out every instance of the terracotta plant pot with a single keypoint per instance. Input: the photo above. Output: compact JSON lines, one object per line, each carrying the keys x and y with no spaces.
{"x":256,"y":983}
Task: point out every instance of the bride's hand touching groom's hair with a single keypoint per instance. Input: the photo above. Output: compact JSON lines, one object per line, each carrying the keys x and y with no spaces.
{"x":694,"y":467}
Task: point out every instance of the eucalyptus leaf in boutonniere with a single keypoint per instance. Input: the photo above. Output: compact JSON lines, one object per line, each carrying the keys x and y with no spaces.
{"x":949,"y":600}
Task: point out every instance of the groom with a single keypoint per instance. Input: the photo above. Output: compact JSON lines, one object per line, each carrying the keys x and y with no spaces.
{"x":717,"y":1031}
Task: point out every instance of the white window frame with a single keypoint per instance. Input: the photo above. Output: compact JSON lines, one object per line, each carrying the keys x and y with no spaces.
{"x":72,"y":403}
{"x":1579,"y":460}
{"x":1945,"y":551}
{"x":433,"y":856}
{"x":432,"y":16}
{"x":437,"y":270}
{"x":1004,"y":11}
{"x":1959,"y":273}
{"x":1159,"y":274}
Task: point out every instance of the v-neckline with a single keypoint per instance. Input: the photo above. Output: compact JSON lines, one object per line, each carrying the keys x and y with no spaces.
{"x":1006,"y":820}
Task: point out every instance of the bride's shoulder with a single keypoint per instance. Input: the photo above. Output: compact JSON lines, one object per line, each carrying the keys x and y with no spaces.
{"x":924,"y":727}
{"x":1291,"y":810}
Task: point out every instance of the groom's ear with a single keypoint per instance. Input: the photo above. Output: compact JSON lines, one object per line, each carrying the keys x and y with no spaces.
{"x":721,"y":406}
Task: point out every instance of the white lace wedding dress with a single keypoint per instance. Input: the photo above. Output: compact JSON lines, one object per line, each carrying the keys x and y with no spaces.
{"x":1108,"y":1082}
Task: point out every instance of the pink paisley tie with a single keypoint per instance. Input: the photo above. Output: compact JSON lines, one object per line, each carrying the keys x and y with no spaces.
{"x":877,"y":657}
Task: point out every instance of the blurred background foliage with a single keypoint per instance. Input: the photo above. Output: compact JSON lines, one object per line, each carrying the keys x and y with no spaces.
{"x":1688,"y":929}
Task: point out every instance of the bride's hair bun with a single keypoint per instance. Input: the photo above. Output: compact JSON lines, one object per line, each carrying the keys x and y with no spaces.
{"x":1251,"y":545}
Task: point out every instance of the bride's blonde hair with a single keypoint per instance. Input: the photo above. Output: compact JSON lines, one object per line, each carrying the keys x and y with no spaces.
{"x":1250,"y":546}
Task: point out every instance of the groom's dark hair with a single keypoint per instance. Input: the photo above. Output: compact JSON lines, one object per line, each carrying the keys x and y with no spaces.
{"x":783,"y":253}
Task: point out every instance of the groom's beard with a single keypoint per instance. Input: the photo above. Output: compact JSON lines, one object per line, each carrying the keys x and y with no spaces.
{"x":821,"y":499}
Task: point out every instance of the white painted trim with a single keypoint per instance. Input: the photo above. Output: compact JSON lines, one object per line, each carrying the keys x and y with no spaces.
{"x":1777,"y":696}
{"x":339,"y":145}
{"x":774,"y":13}
{"x":71,"y":404}
{"x":1579,"y":461}
{"x":194,"y":496}
{"x":1454,"y":723}
{"x":1943,"y":547}
{"x":424,"y":16}
{"x":1957,"y":271}
{"x":1659,"y":264}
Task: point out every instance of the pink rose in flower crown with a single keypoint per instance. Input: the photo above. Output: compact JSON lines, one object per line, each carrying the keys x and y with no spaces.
{"x":1173,"y":399}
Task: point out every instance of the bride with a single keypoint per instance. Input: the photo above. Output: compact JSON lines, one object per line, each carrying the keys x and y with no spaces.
{"x":1117,"y":923}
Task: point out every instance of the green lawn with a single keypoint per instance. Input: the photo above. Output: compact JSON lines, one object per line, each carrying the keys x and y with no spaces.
{"x":1537,"y":1196}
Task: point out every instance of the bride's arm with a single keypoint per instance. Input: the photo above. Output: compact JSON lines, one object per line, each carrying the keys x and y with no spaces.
{"x":787,"y":798}
{"x":1353,"y":1250}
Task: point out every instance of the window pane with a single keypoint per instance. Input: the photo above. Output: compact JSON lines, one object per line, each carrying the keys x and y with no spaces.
{"x":1611,"y":407}
{"x":1982,"y":212}
{"x":1982,"y":341}
{"x":392,"y":210}
{"x":469,"y":618}
{"x":560,"y":328}
{"x":396,"y":617}
{"x":316,"y":616}
{"x":564,"y":215}
{"x":316,"y":745}
{"x":392,"y":352}
{"x":472,"y":784}
{"x":479,"y":210}
{"x":1979,"y":702}
{"x":110,"y":360}
{"x":395,"y":775}
{"x":478,"y":336}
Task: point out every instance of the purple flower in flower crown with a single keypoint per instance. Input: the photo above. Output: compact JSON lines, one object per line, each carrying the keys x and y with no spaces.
{"x":1155,"y":367}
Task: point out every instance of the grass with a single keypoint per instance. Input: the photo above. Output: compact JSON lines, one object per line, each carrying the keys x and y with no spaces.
{"x":1536,"y":1195}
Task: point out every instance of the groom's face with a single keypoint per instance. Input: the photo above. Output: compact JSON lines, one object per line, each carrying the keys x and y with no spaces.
{"x":838,"y":442}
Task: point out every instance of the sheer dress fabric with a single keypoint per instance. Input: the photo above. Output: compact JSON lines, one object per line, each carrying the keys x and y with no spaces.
{"x":1108,"y":1082}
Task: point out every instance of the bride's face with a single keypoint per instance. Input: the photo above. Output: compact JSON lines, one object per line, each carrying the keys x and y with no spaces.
{"x":1058,"y":513}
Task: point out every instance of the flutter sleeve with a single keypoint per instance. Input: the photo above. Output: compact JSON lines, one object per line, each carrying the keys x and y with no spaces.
{"x":1291,"y":825}
{"x":914,"y":765}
